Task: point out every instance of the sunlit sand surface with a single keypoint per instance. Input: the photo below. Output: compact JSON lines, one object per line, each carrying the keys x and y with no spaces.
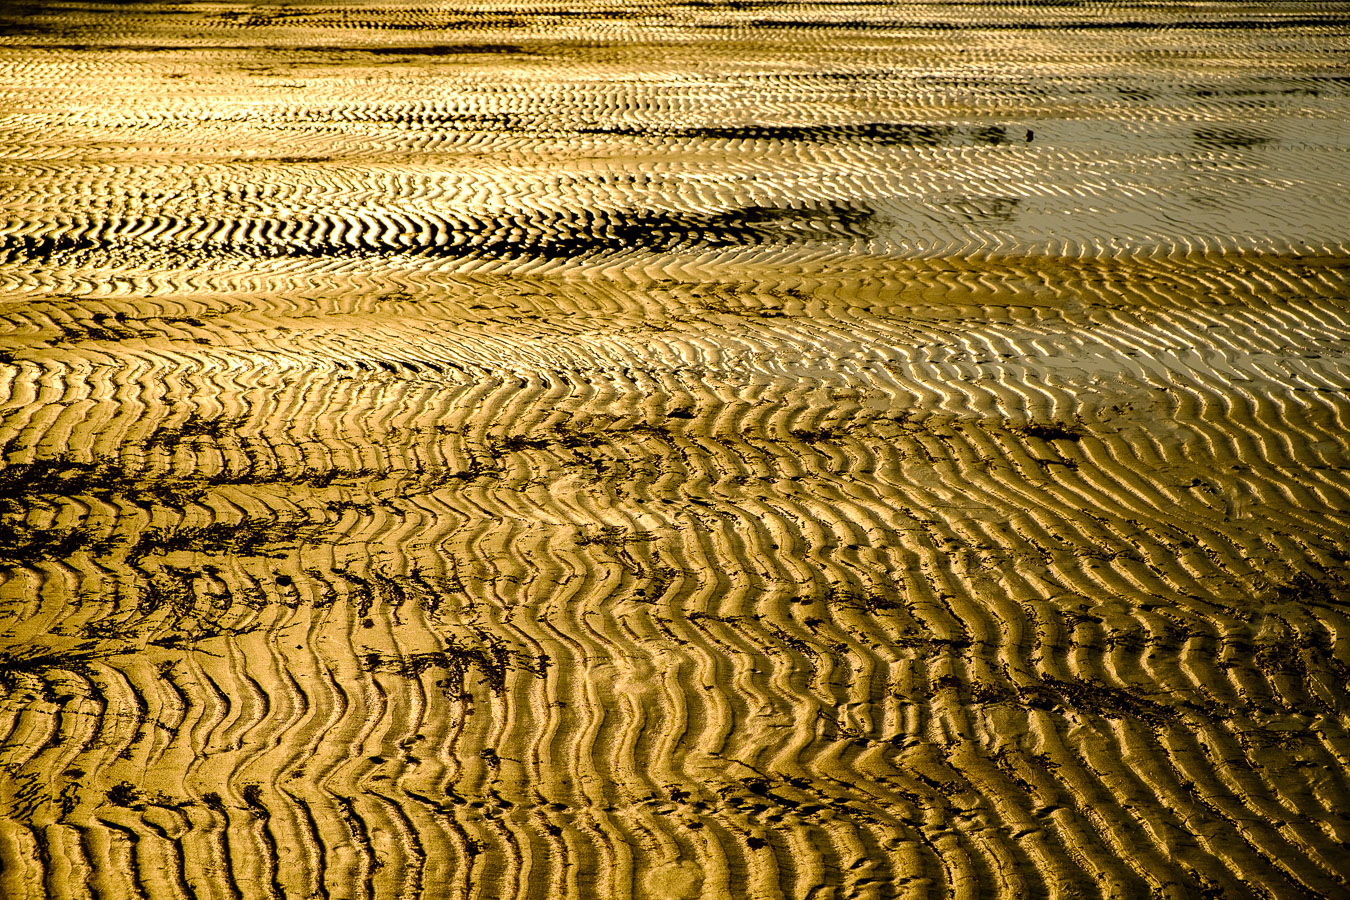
{"x":704,"y":450}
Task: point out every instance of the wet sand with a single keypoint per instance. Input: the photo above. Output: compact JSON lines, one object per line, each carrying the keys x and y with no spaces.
{"x":679,"y":451}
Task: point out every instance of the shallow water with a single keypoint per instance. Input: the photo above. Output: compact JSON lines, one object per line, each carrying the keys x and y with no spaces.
{"x":704,"y":450}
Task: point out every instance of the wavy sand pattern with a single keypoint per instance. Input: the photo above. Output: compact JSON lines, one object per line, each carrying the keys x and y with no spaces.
{"x":687,"y":450}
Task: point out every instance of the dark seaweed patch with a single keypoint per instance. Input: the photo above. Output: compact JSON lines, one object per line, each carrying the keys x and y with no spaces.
{"x":1098,"y":699}
{"x":1229,"y":138}
{"x":1048,"y":431}
{"x":536,"y":235}
{"x":1262,"y":23}
{"x":43,"y":248}
{"x":117,"y":326}
{"x":58,"y":477}
{"x":450,"y":50}
{"x":597,"y":231}
{"x":20,"y":18}
{"x":516,"y":443}
{"x":457,"y":660}
{"x":23,"y":484}
{"x":426,"y":592}
{"x":894,"y":134}
{"x":251,"y":537}
{"x":810,"y":436}
{"x":167,"y":612}
{"x":292,"y":160}
{"x":125,"y":794}
{"x":36,"y":661}
{"x":981,"y":209}
{"x":197,"y":428}
{"x":25,"y":487}
{"x":21,"y":544}
{"x":1305,"y":589}
{"x":253,"y":799}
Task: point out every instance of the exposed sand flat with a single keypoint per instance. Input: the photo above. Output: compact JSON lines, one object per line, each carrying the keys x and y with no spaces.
{"x":679,"y":451}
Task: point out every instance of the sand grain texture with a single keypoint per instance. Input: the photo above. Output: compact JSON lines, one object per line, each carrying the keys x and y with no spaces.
{"x":677,"y":451}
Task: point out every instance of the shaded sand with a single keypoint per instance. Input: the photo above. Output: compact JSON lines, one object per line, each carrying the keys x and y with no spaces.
{"x":685,"y":451}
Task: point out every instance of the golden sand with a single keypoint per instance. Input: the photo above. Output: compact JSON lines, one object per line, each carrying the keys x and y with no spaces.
{"x":674,"y":451}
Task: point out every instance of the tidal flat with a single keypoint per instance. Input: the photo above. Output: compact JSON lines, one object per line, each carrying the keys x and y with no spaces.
{"x":679,"y":450}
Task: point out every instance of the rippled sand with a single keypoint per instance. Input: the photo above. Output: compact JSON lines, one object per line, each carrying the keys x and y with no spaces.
{"x":674,"y":451}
